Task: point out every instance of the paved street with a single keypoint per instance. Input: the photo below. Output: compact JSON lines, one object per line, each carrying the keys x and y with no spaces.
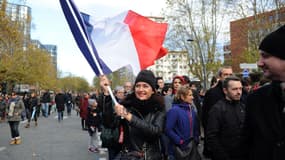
{"x":50,"y":140}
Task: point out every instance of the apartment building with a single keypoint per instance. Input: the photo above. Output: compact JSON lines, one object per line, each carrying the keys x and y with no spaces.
{"x":251,"y":30}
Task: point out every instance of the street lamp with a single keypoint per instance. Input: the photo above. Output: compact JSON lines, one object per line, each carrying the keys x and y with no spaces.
{"x":204,"y":70}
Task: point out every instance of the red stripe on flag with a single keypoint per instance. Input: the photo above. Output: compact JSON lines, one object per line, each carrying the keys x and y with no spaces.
{"x":148,"y":37}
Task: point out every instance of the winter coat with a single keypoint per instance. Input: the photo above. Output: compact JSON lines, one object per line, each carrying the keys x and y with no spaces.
{"x":197,"y":102}
{"x":265,"y":123}
{"x":168,"y":100}
{"x":143,"y":132}
{"x":212,"y":96}
{"x":224,"y":130}
{"x":77,"y":100}
{"x":83,"y":108}
{"x":106,"y":107}
{"x":3,"y":106}
{"x":109,"y":120}
{"x":18,"y":108}
{"x":46,"y":98}
{"x":26,"y":100}
{"x":59,"y":101}
{"x":33,"y":102}
{"x":93,"y":120}
{"x":68,"y":99}
{"x":178,"y":124}
{"x":93,"y":117}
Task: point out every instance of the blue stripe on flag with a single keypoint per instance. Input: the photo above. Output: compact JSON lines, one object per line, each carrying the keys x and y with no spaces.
{"x":79,"y":37}
{"x":89,"y":28}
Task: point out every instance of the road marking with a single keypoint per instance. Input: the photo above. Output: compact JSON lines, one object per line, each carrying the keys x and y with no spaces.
{"x":102,"y":158}
{"x":64,"y":117}
{"x":2,"y":148}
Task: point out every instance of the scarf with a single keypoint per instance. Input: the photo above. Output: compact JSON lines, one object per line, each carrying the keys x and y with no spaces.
{"x":142,"y":106}
{"x":11,"y":109}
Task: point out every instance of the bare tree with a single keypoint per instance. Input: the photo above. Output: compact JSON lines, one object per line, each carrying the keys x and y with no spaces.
{"x":201,"y":23}
{"x":258,"y":18}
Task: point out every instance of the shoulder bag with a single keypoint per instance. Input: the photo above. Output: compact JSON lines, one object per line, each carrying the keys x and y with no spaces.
{"x":190,"y":152}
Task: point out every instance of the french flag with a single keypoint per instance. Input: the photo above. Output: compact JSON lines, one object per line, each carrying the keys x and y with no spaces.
{"x":112,"y":43}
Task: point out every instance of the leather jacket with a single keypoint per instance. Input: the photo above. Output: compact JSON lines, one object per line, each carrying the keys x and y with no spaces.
{"x":146,"y":126}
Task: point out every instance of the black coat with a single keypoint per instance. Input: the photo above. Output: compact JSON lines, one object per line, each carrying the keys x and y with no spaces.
{"x":106,"y":107}
{"x":212,"y":96}
{"x":46,"y":98}
{"x":93,"y":118}
{"x":146,"y":125}
{"x":265,"y":123}
{"x":59,"y":101}
{"x":33,"y":102}
{"x":224,"y":130}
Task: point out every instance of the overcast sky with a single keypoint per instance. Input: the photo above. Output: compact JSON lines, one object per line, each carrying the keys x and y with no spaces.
{"x":50,"y":27}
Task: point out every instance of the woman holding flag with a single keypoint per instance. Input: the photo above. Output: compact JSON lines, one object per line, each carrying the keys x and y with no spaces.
{"x":143,"y":116}
{"x":142,"y":113}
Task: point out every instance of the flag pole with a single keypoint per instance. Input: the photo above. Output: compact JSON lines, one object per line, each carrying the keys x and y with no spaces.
{"x":90,"y":50}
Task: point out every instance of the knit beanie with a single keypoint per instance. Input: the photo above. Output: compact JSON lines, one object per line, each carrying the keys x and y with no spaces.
{"x":148,"y":77}
{"x":274,"y":43}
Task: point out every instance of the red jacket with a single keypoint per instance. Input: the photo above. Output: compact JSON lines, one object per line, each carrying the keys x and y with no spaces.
{"x":84,"y":108}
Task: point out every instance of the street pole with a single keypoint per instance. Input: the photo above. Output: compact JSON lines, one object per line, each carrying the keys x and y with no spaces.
{"x":204,"y":69}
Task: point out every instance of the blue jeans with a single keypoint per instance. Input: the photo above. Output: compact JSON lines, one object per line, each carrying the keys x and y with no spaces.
{"x":60,"y":115}
{"x":14,"y":126}
{"x":69,"y":106}
{"x":45,"y":109}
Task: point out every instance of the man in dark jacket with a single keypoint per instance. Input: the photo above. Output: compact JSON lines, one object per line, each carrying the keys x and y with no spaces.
{"x":212,"y":96}
{"x":45,"y":100}
{"x":59,"y":101}
{"x":225,"y":123}
{"x":68,"y":102}
{"x":265,"y":115}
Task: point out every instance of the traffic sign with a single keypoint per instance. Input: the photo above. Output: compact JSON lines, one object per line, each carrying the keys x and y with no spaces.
{"x":248,"y":65}
{"x":245,"y":73}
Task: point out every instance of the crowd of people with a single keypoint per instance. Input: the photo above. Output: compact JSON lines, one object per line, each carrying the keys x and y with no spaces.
{"x":236,"y":119}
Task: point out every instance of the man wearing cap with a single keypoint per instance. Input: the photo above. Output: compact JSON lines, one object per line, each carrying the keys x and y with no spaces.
{"x":265,"y":115}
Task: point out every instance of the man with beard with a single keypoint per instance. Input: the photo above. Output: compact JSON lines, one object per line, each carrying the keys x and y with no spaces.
{"x":225,"y":123}
{"x":265,"y":115}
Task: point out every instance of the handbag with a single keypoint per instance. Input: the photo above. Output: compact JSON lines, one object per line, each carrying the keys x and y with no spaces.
{"x":190,"y":152}
{"x":109,"y":136}
{"x":132,"y":155}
